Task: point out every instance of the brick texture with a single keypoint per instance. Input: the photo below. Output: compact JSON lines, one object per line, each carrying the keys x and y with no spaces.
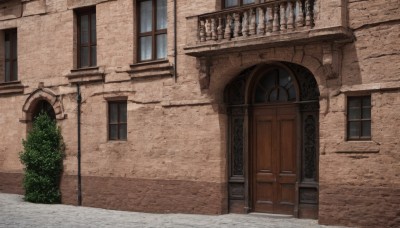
{"x":175,"y":157}
{"x":144,"y":195}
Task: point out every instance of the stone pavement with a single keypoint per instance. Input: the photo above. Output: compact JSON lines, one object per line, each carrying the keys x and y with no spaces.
{"x":14,"y":212}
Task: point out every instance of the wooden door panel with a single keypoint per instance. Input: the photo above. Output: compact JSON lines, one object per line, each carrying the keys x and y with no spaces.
{"x":264,"y":197}
{"x":286,"y":194}
{"x":287,"y":144}
{"x":263,"y":165}
{"x":274,"y":159}
{"x":264,"y":146}
{"x":286,"y":199}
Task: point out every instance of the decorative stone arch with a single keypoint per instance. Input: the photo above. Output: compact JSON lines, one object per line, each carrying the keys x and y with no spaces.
{"x":38,"y":95}
{"x":323,"y":67}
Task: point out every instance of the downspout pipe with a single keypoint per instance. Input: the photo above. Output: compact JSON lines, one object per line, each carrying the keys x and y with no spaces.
{"x":175,"y":42}
{"x":79,"y":102}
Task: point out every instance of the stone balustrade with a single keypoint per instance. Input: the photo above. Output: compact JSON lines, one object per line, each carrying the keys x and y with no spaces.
{"x":270,"y":18}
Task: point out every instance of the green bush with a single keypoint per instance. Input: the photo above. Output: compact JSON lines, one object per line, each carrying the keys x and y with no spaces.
{"x":42,"y":157}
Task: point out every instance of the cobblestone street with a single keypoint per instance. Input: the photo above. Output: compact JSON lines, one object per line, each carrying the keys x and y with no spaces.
{"x":14,"y":212}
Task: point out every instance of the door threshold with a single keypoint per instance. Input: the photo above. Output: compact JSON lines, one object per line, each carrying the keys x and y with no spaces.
{"x":269,"y":215}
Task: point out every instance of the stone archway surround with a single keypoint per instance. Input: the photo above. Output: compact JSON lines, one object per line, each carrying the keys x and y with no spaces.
{"x":322,"y":60}
{"x":239,"y":124}
{"x":42,"y":94}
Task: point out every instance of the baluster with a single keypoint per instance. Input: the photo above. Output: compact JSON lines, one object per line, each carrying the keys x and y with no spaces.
{"x":261,"y":20}
{"x":208,"y":29}
{"x":252,"y":29}
{"x":228,"y":28}
{"x":300,"y":14}
{"x":290,"y":19}
{"x":245,"y":24}
{"x":283,"y":16}
{"x":202,"y":31}
{"x":270,"y":20}
{"x":236,"y":29}
{"x":308,"y":13}
{"x":213,"y":29}
{"x":275,"y":24}
{"x":220,"y":30}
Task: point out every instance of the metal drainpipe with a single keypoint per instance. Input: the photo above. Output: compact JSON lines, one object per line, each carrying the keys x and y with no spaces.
{"x":79,"y":101}
{"x":175,"y":42}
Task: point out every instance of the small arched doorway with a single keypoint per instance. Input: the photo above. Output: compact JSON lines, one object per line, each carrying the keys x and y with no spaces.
{"x":273,"y":143}
{"x":42,"y":106}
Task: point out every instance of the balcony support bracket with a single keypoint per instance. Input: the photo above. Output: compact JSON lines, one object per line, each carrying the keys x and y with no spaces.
{"x":203,"y":65}
{"x":331,"y":60}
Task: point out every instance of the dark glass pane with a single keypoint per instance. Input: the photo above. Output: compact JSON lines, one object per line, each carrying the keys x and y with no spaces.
{"x":7,"y":49}
{"x":6,"y":36}
{"x":146,"y":16}
{"x":366,"y":113}
{"x":162,"y":46}
{"x":122,"y":112}
{"x":248,"y":2}
{"x":268,"y":81}
{"x":145,"y":48}
{"x":282,"y":96}
{"x":113,"y":118}
{"x":14,"y":47}
{"x":161,"y":14}
{"x":7,"y":71}
{"x":122,"y":131}
{"x":354,"y":113}
{"x":15,"y":71}
{"x":366,"y":101}
{"x":274,"y":95}
{"x":93,"y":53}
{"x":354,"y":102}
{"x":354,"y":130}
{"x":260,"y":96}
{"x":93,"y":29}
{"x":366,"y":129}
{"x":292,"y":93}
{"x":113,"y":132}
{"x":284,"y":78}
{"x":84,"y":29}
{"x":230,"y":3}
{"x":84,"y":56}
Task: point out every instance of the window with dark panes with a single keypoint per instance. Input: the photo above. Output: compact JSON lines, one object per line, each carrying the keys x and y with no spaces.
{"x":87,"y":49}
{"x":117,"y":120}
{"x":152,"y":30}
{"x":234,"y":3}
{"x":359,"y":118}
{"x":10,"y":55}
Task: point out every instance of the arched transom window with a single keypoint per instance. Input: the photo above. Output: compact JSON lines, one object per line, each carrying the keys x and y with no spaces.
{"x":275,"y":85}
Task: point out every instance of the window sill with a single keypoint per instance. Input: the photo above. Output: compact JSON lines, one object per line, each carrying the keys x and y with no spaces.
{"x":159,"y":68}
{"x":14,"y":87}
{"x":120,"y":141}
{"x":86,"y":75}
{"x":355,"y":147}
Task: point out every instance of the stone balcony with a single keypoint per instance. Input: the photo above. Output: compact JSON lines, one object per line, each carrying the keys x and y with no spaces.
{"x":270,"y":24}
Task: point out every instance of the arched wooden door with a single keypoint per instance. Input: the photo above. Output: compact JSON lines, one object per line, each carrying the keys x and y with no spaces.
{"x":274,"y":149}
{"x":273,"y":140}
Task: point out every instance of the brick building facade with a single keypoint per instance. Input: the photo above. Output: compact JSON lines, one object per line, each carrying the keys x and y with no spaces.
{"x":211,"y":107}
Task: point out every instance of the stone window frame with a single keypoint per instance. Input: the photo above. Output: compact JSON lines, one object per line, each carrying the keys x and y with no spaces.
{"x":361,"y":120}
{"x":86,"y":11}
{"x":118,"y":102}
{"x":153,"y":33}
